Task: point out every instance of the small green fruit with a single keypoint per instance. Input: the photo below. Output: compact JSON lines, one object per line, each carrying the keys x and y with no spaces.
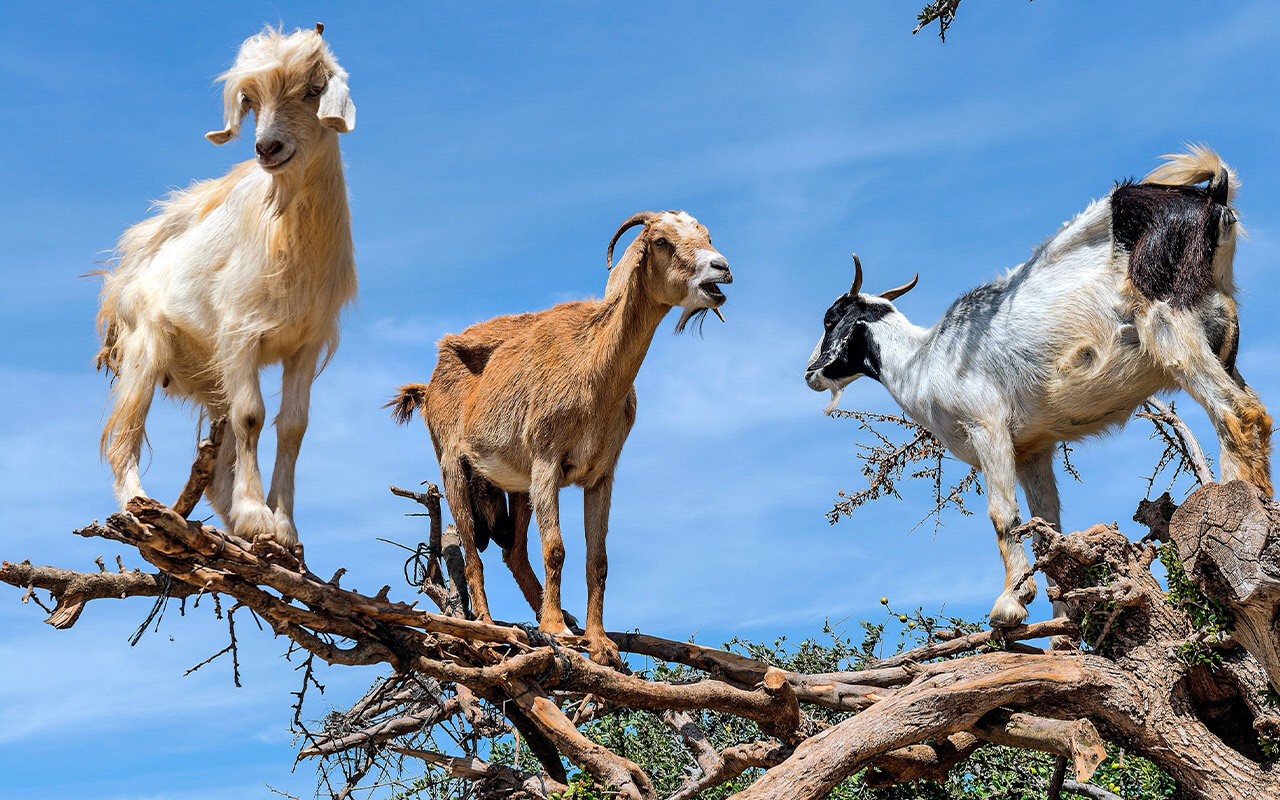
{"x":902,"y":618}
{"x":884,"y":601}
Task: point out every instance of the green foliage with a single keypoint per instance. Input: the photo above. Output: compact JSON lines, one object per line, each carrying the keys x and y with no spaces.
{"x":1093,"y":626}
{"x":1210,"y":618}
{"x":582,"y":787}
{"x":1132,"y":777}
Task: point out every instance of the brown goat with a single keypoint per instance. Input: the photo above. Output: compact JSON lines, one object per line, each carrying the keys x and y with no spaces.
{"x":530,"y":403}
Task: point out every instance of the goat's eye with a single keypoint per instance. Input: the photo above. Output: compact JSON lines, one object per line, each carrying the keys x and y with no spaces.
{"x":245,"y":99}
{"x":662,"y":242}
{"x":314,"y":91}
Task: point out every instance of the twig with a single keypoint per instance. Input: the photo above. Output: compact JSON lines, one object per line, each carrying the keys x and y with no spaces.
{"x":201,"y":469}
{"x":944,"y":11}
{"x":1088,"y":790}
{"x":1055,"y":780}
{"x":1182,"y":443}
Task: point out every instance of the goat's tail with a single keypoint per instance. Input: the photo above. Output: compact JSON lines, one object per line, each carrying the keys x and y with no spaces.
{"x":410,"y":398}
{"x":1199,"y":164}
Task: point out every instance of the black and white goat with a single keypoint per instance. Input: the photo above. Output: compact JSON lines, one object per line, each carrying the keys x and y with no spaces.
{"x":1132,"y":297}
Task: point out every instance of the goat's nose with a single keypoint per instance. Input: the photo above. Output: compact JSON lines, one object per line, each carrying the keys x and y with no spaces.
{"x":268,"y":148}
{"x":723,"y":265}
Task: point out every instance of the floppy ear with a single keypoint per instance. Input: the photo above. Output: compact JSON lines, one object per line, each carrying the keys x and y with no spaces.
{"x":631,"y":260}
{"x":232,"y":130}
{"x":336,"y":109}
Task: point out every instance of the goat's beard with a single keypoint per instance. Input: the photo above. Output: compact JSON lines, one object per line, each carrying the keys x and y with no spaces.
{"x":687,"y":314}
{"x":835,"y":399}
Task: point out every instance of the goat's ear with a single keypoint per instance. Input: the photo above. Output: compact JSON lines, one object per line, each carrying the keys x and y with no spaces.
{"x":220,"y":137}
{"x":336,"y":109}
{"x":234,"y":115}
{"x":631,"y":260}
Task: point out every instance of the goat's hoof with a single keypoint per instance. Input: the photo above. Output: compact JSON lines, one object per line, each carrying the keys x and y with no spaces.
{"x":253,"y":522}
{"x":1007,"y":612}
{"x":554,"y":628}
{"x":286,"y":533}
{"x":1063,"y":644}
{"x":603,"y":651}
{"x":1028,"y":592}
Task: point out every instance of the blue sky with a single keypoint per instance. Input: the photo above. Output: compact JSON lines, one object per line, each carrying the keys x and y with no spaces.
{"x":498,"y":147}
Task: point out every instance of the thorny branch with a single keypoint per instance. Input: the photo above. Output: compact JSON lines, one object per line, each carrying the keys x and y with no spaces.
{"x":943,"y":11}
{"x":1181,"y":449}
{"x":885,"y":462}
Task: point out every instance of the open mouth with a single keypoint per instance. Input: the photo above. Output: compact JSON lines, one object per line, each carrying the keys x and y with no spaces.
{"x":712,"y":290}
{"x":278,"y":163}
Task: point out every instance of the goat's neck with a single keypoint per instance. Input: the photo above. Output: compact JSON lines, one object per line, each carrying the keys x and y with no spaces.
{"x":619,"y":343}
{"x":318,"y":190}
{"x":899,"y":344}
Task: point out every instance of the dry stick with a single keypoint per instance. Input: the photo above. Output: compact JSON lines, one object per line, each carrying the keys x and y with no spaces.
{"x":1036,"y":630}
{"x":430,"y":499}
{"x":1088,"y":790}
{"x":201,"y":469}
{"x":1190,"y":445}
{"x":72,"y":589}
{"x":733,"y":762}
{"x":695,"y":741}
{"x":1055,"y":781}
{"x":470,"y":768}
{"x":383,"y":730}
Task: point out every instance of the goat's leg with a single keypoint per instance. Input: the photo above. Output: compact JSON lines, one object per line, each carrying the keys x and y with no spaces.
{"x":291,"y":425}
{"x":595,"y":503}
{"x":516,"y":557}
{"x":126,"y":426}
{"x":250,"y":518}
{"x":995,"y":454}
{"x":1035,"y":473}
{"x":458,"y":495}
{"x":544,"y":491}
{"x":220,"y":487}
{"x":1239,"y":417}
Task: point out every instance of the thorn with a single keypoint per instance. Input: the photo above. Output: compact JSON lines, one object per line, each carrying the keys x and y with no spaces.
{"x":716,"y":311}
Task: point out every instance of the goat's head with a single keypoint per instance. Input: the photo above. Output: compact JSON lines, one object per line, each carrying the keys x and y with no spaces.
{"x":847,"y":349}
{"x":295,"y":89}
{"x":674,"y":262}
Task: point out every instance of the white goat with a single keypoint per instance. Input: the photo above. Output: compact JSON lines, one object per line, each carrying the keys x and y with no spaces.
{"x":1132,"y":297}
{"x":237,"y":273}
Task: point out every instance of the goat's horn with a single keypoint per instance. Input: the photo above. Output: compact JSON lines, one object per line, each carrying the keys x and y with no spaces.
{"x":857,"y":275}
{"x":320,"y":28}
{"x":894,"y":294}
{"x":638,"y":218}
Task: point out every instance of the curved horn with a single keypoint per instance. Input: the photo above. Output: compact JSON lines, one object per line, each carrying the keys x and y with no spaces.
{"x":638,"y":218}
{"x":894,"y":294}
{"x":857,"y":275}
